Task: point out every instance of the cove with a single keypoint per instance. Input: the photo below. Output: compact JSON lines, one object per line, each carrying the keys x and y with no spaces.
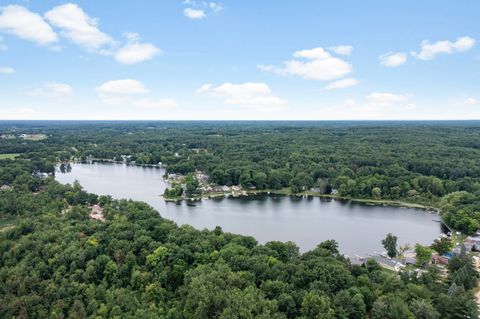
{"x":358,"y":228}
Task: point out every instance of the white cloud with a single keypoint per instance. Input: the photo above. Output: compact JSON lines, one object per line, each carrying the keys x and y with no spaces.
{"x":6,"y":70}
{"x":342,"y":49}
{"x":314,"y":64}
{"x":122,"y":87}
{"x":136,"y":52}
{"x":27,"y":25}
{"x":341,"y":84}
{"x":470,"y":101}
{"x":393,"y":59}
{"x":430,"y":50}
{"x":126,"y":92}
{"x":55,"y":90}
{"x":249,"y":94}
{"x":78,"y":27}
{"x":215,"y":6}
{"x":194,"y":13}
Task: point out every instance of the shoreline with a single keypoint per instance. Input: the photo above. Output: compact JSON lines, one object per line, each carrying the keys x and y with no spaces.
{"x":366,"y":201}
{"x":278,"y":192}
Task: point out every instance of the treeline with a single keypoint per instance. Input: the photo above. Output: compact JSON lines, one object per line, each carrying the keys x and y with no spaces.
{"x":418,"y":162}
{"x":57,"y":263}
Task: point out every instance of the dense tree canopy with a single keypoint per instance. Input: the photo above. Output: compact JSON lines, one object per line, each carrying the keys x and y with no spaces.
{"x":56,"y":262}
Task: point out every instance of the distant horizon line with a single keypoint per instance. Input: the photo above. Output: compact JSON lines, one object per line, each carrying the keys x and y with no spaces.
{"x":230,"y":120}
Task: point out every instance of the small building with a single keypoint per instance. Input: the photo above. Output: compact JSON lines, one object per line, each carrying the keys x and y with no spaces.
{"x":201,"y":177}
{"x":97,"y":213}
{"x":237,"y":188}
{"x":474,"y":242}
{"x":216,"y":189}
{"x":5,"y":187}
{"x":41,"y":175}
{"x":440,"y":259}
{"x":387,"y":263}
{"x":476,"y":262}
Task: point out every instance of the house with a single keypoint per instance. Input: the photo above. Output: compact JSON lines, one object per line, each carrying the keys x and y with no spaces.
{"x":474,"y":242}
{"x":97,"y":213}
{"x":476,"y":262}
{"x":5,"y":187}
{"x":201,"y":177}
{"x":440,"y":259}
{"x":236,"y":188}
{"x":207,"y":189}
{"x":334,"y":191}
{"x":41,"y":175}
{"x":386,"y":262}
{"x":217,"y":189}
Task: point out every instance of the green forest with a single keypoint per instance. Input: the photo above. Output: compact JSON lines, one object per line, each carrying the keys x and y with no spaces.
{"x":55,"y":262}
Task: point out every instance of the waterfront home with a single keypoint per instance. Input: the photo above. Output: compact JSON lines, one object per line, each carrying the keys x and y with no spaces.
{"x":201,"y":177}
{"x":97,"y":213}
{"x":216,"y":189}
{"x":474,"y":242}
{"x":237,"y":188}
{"x":387,"y":263}
{"x":440,"y":259}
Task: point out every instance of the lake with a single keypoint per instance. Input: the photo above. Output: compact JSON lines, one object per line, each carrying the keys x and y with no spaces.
{"x":358,"y":228}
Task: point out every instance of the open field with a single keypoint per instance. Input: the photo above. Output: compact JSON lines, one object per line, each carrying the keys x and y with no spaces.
{"x":35,"y":137}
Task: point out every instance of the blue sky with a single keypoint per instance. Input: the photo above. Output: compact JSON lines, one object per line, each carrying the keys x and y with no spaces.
{"x":174,"y":59}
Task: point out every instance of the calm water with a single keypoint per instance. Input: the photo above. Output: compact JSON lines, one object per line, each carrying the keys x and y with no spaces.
{"x":358,"y":228}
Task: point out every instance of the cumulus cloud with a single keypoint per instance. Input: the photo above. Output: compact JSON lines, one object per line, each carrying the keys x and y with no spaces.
{"x":131,"y":92}
{"x":342,"y":49}
{"x":313,"y":64}
{"x":470,"y":101}
{"x":198,"y":10}
{"x":249,"y":94}
{"x":428,"y":51}
{"x":393,"y":59}
{"x":6,"y":70}
{"x":122,"y":87}
{"x":215,"y":6}
{"x":27,"y":25}
{"x":78,"y":27}
{"x":341,"y":84}
{"x":136,"y":52}
{"x":53,"y":89}
{"x":192,"y":13}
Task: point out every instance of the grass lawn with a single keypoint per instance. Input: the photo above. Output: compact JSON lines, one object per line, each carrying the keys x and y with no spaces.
{"x":8,"y":156}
